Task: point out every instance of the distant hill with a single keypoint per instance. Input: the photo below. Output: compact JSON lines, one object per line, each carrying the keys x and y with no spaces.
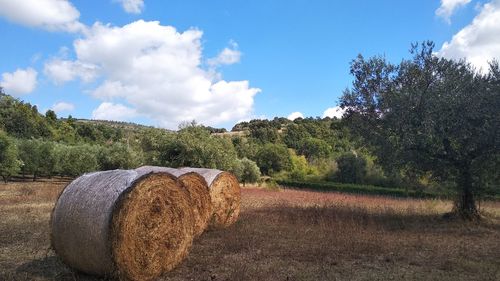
{"x":117,"y":124}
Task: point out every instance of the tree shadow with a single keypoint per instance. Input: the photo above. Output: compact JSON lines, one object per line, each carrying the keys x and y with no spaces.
{"x":388,"y":220}
{"x":51,"y":268}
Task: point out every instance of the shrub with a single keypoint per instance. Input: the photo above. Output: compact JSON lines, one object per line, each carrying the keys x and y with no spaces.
{"x":9,"y":165}
{"x":273,"y":158}
{"x":351,"y":168}
{"x":246,"y":171}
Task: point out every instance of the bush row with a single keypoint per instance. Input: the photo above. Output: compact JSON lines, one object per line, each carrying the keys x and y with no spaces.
{"x":361,"y":189}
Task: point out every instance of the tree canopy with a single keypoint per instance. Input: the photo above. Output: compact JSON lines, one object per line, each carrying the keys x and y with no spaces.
{"x":428,"y":113}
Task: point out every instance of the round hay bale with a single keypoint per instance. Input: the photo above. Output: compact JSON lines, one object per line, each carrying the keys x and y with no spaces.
{"x":197,"y":189}
{"x":225,"y":195}
{"x":122,"y":223}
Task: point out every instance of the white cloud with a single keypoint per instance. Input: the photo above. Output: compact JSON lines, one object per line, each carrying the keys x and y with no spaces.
{"x":295,"y":115}
{"x":158,"y":72}
{"x":63,"y":106}
{"x":333,"y":112}
{"x":20,"y":82}
{"x":448,"y":7}
{"x":113,"y":89}
{"x":132,"y":6}
{"x":230,"y":55}
{"x":112,"y":111}
{"x":61,"y":71}
{"x":53,"y":15}
{"x":478,"y":42}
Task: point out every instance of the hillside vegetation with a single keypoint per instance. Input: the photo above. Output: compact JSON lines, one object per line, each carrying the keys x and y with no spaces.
{"x":426,"y":126}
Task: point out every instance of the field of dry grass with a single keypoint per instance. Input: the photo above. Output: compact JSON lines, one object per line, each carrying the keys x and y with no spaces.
{"x":285,"y":235}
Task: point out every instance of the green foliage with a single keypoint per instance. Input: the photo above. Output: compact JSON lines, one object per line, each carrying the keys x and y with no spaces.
{"x":22,"y":120}
{"x":245,"y":147}
{"x":294,"y":136}
{"x":30,"y":156}
{"x":360,"y":189}
{"x":51,"y":116}
{"x":429,"y":114}
{"x":246,"y":171}
{"x":299,"y":167}
{"x":315,"y":149}
{"x":273,"y":158}
{"x":9,"y":165}
{"x":351,"y":168}
{"x":152,"y":143}
{"x":118,"y":156}
{"x":97,"y":133}
{"x":193,"y":146}
{"x":78,"y":159}
{"x":47,"y":158}
{"x":37,"y":157}
{"x":263,"y":131}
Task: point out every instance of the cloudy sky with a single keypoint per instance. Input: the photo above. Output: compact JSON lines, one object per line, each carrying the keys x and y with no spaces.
{"x":162,"y":62}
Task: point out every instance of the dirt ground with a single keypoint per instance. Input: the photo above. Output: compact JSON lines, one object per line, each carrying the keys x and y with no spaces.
{"x":284,"y":235}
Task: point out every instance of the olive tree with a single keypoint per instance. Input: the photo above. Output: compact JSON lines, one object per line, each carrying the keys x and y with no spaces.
{"x":431,"y":114}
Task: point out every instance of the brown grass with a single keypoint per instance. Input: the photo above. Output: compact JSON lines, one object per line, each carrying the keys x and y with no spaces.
{"x":287,"y":235}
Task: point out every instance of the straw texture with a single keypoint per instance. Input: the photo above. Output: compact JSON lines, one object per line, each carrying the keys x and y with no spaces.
{"x":225,"y":195}
{"x":126,"y":224}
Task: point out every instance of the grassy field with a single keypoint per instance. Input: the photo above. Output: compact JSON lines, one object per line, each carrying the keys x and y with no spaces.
{"x":285,"y":235}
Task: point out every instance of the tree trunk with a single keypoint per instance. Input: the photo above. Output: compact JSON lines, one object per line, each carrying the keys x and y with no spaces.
{"x":465,"y":206}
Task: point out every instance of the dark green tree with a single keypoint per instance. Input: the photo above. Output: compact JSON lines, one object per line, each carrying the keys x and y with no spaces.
{"x":315,"y":149}
{"x":247,"y":171}
{"x":22,"y":120}
{"x":264,"y":131}
{"x":193,"y":146}
{"x":9,"y":164}
{"x":51,"y":115}
{"x":294,"y":135}
{"x":245,"y":147}
{"x":118,"y":156}
{"x":273,"y":158}
{"x":47,"y":158}
{"x":30,"y":156}
{"x":76,"y":160}
{"x":351,"y":168}
{"x":430,"y":113}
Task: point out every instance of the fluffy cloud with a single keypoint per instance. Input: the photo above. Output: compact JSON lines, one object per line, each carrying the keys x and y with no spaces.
{"x":158,"y":72}
{"x":63,"y":106}
{"x":295,"y":115}
{"x":53,"y":15}
{"x":230,"y":55}
{"x":112,"y":111}
{"x":332,"y":112}
{"x":61,"y":71}
{"x":448,"y":7}
{"x":20,"y":82}
{"x":132,"y":6}
{"x":478,"y":42}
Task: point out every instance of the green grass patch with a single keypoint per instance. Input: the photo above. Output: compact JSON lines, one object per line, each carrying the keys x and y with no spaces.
{"x":361,"y":189}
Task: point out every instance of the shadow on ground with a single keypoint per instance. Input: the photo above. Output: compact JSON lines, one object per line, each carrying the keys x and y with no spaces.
{"x":49,"y":268}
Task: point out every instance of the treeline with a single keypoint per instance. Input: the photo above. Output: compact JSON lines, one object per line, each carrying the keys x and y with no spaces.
{"x":34,"y":144}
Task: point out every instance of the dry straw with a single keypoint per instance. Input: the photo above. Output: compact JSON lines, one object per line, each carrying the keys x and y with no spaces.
{"x":225,"y":195}
{"x":197,"y":189}
{"x":128,"y":224}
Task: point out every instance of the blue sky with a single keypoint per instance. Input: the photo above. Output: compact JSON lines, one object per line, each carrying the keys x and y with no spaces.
{"x":159,"y":62}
